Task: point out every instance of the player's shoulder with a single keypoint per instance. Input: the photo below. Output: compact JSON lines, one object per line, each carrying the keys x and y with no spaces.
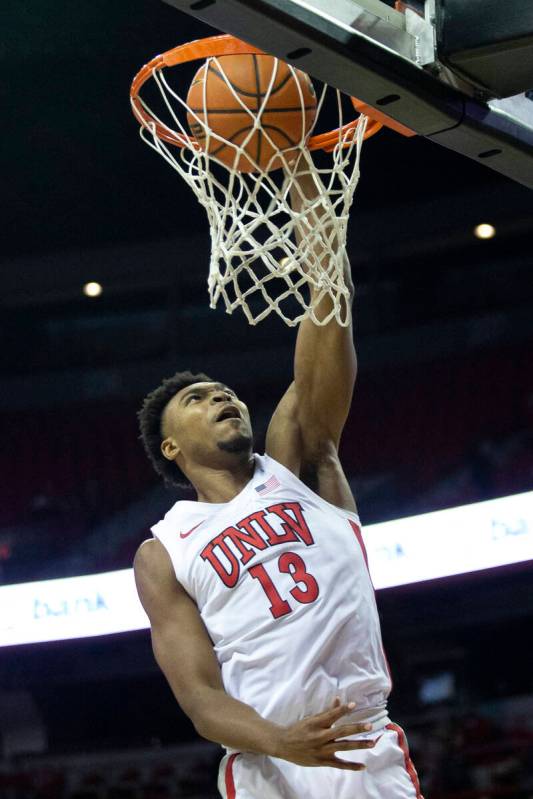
{"x":151,"y":558}
{"x":155,"y":580}
{"x":154,"y":573}
{"x":323,"y":478}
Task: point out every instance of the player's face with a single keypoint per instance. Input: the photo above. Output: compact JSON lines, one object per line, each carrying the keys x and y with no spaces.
{"x":205,"y":419}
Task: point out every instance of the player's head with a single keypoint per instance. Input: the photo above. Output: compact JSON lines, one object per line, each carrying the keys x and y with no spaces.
{"x":191,"y":419}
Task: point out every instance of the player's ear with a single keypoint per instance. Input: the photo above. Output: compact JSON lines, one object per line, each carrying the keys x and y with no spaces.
{"x":170,"y":448}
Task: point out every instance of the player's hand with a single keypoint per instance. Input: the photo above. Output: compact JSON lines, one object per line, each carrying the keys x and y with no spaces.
{"x":313,"y":741}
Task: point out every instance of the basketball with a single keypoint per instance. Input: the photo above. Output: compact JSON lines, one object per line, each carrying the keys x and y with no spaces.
{"x":222,"y":106}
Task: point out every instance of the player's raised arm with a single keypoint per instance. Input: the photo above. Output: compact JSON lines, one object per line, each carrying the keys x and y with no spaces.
{"x":325,"y":364}
{"x":306,"y":428}
{"x":184,"y":652}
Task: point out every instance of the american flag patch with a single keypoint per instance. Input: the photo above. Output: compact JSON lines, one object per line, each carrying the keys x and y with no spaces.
{"x":268,"y":486}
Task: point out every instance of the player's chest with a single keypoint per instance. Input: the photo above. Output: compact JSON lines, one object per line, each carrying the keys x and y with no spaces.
{"x":290,"y":535}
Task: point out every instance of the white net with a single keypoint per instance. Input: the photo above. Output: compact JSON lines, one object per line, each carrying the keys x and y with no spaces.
{"x":267,"y":256}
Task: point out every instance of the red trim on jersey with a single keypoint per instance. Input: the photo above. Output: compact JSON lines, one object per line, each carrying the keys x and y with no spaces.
{"x":409,"y":766}
{"x":230,"y":782}
{"x":357,"y":530}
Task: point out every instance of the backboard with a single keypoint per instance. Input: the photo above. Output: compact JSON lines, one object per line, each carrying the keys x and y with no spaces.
{"x":409,"y":62}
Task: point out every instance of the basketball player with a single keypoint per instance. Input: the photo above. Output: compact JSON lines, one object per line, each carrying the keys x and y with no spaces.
{"x":262,"y":610}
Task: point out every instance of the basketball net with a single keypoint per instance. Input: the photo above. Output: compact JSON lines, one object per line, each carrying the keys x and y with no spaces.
{"x":258,"y":263}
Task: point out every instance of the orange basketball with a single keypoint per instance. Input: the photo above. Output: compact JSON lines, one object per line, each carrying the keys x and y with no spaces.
{"x":250,"y":76}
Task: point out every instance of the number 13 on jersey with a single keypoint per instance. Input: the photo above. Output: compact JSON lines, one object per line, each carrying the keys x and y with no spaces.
{"x":305,"y":589}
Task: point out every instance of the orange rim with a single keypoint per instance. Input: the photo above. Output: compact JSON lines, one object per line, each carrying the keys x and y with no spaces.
{"x":226,"y":44}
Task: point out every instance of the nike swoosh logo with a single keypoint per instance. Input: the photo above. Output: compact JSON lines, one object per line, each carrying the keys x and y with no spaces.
{"x":184,"y":535}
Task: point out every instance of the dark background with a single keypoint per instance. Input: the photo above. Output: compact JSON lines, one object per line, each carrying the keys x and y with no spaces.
{"x":442,"y":414}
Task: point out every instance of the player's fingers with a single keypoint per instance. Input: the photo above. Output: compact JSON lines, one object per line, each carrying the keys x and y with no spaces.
{"x":345,"y":746}
{"x":336,"y":762}
{"x":329,"y":717}
{"x":344,"y":730}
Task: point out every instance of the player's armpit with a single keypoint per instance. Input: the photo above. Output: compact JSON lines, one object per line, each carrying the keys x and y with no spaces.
{"x":322,"y":471}
{"x":314,"y":461}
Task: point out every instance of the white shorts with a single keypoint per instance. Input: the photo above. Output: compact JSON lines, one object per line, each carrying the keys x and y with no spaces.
{"x":389,"y":774}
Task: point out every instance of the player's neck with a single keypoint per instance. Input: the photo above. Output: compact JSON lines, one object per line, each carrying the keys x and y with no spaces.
{"x":223,"y":485}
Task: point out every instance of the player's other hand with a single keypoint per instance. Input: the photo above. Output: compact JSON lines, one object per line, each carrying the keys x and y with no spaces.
{"x":314,"y":741}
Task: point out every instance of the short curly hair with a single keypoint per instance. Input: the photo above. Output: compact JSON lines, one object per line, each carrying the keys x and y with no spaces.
{"x":150,"y":418}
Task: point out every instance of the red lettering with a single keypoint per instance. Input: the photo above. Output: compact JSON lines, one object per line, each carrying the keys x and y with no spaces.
{"x":229,"y":578}
{"x":242,"y":537}
{"x":293,"y":564}
{"x":272,"y":537}
{"x":278,"y":606}
{"x":291,"y":525}
{"x":248,"y":537}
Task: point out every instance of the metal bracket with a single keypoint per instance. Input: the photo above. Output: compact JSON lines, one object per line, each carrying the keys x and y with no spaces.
{"x":424,"y":37}
{"x":407,"y":35}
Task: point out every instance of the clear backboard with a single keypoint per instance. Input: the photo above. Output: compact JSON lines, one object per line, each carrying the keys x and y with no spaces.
{"x":454,"y":72}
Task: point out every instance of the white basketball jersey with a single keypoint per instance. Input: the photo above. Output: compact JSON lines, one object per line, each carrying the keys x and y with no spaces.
{"x":280,"y":578}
